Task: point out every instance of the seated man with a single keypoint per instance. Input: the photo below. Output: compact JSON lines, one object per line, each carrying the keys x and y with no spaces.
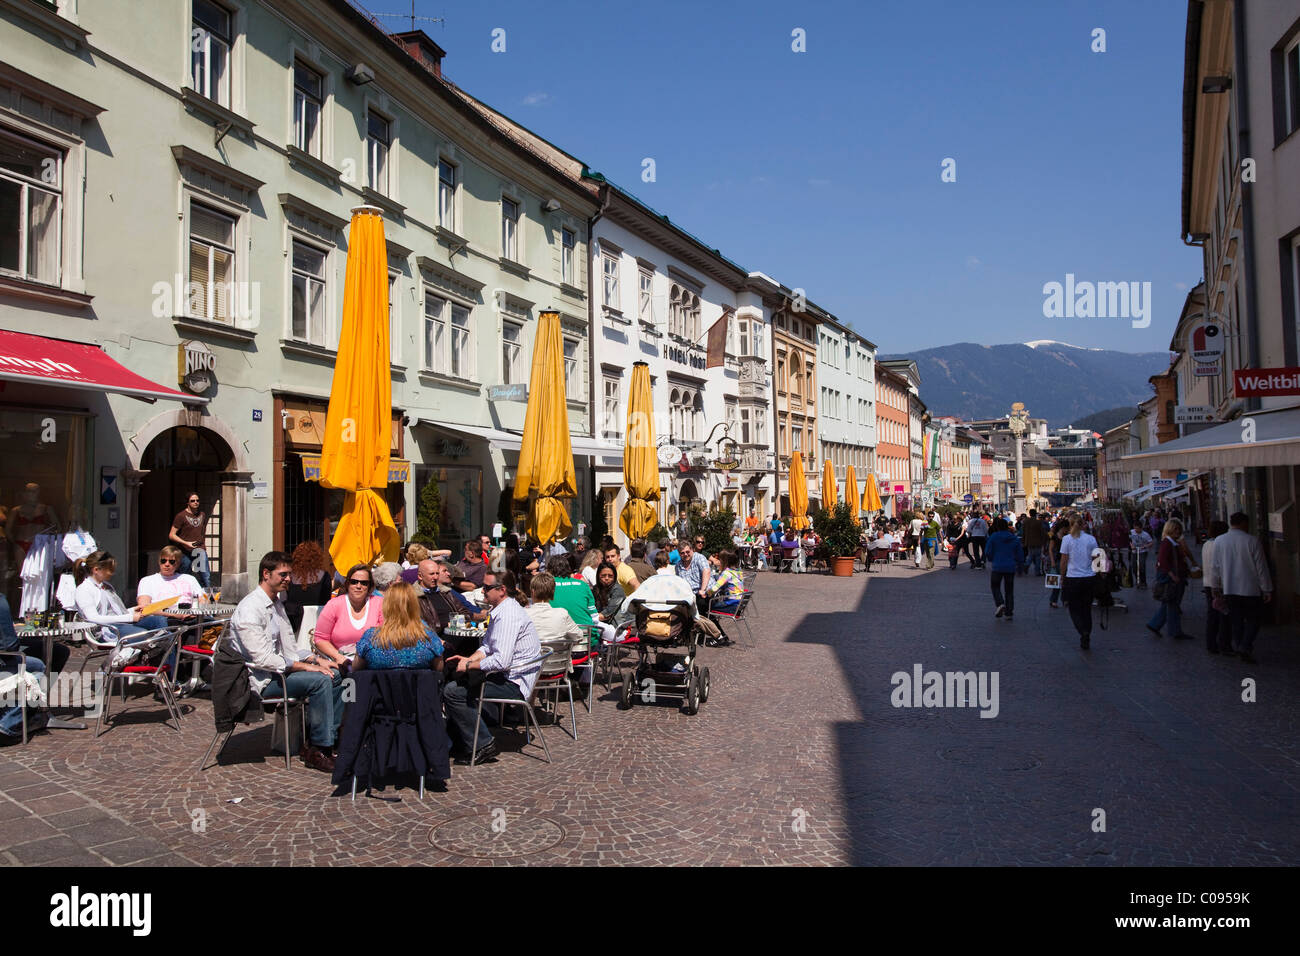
{"x":500,"y":664}
{"x":168,"y":582}
{"x":439,"y":602}
{"x":554,"y":624}
{"x":260,"y":631}
{"x":11,"y":718}
{"x":470,"y":571}
{"x":575,"y":596}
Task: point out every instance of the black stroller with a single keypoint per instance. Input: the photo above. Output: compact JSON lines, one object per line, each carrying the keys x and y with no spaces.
{"x":668,"y":644}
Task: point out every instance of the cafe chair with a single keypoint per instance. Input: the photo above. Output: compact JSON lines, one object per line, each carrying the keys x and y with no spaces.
{"x":394,"y":727}
{"x":21,"y":684}
{"x":123,"y":666}
{"x":748,"y":581}
{"x":557,"y":671}
{"x":735,"y":614}
{"x":612,"y":652}
{"x":585,"y":658}
{"x":530,"y":715}
{"x":282,"y":704}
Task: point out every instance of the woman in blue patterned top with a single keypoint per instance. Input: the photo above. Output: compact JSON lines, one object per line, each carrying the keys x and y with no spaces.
{"x":403,"y":640}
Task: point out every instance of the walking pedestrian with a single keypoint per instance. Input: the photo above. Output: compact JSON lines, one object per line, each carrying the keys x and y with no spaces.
{"x":1218,"y":633}
{"x":1005,"y":554}
{"x":917,"y":530}
{"x":1141,"y":542}
{"x":1173,"y":567}
{"x":1059,"y":530}
{"x":1077,"y":578}
{"x":978,"y":529}
{"x":1035,"y":538}
{"x":930,"y":543}
{"x":1241,"y":578}
{"x":956,"y":539}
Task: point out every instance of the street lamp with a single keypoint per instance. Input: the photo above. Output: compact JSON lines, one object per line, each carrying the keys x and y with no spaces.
{"x":1018,"y":422}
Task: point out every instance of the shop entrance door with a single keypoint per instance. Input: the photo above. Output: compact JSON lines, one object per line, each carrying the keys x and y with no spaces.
{"x":178,"y":462}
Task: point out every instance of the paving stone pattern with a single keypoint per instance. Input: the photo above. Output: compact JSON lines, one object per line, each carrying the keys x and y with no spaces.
{"x":798,"y":757}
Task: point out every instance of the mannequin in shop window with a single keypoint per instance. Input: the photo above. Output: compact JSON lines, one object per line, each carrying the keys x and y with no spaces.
{"x":30,"y":517}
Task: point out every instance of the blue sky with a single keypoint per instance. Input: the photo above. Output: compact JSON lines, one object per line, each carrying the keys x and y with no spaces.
{"x":822,"y":168}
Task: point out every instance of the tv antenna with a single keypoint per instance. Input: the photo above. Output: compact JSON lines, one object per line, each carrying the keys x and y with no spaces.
{"x":412,"y":17}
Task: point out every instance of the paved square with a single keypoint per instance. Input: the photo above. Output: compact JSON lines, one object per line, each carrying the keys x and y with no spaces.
{"x":798,"y":757}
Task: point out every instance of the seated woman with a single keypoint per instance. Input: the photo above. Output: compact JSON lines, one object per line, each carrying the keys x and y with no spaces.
{"x":347,"y":617}
{"x":726,"y":586}
{"x":310,"y":583}
{"x":98,"y":603}
{"x":403,"y":640}
{"x":609,"y":599}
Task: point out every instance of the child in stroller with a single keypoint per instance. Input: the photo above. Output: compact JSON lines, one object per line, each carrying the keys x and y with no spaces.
{"x":669,"y":639}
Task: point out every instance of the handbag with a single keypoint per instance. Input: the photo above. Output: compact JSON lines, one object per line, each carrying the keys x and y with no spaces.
{"x":1160,"y":590}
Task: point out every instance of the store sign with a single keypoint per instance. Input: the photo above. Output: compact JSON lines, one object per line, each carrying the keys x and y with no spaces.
{"x":452,"y":449}
{"x":899,"y":489}
{"x":1160,"y":485}
{"x":399,"y":469}
{"x":508,"y":393}
{"x":196,"y":367}
{"x":1265,"y":382}
{"x":1193,"y":414}
{"x":1207,"y":344}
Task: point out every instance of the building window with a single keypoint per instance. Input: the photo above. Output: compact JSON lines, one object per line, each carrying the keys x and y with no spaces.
{"x":510,"y":229}
{"x":645,"y":296}
{"x":572,"y":375}
{"x":210,"y":38}
{"x":568,"y":245}
{"x":309,"y":313}
{"x":612,"y":408}
{"x":746,"y":433}
{"x":448,"y":340}
{"x":609,"y":272}
{"x":307,"y":98}
{"x":378,"y":140}
{"x":212,"y":263}
{"x":512,"y":350}
{"x":447,"y":195}
{"x":1291,"y":88}
{"x":394,"y":320}
{"x":31,"y":210}
{"x":732,"y":414}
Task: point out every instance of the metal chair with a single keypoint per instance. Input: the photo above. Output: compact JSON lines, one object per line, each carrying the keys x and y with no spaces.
{"x":585,"y":658}
{"x":504,"y":702}
{"x":612,"y":652}
{"x":20,"y":681}
{"x":118,"y":668}
{"x":282,"y":704}
{"x":736,"y":614}
{"x":557,"y":668}
{"x":748,"y":580}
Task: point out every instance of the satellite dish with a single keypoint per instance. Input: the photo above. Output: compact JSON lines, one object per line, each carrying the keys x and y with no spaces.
{"x":669,"y":454}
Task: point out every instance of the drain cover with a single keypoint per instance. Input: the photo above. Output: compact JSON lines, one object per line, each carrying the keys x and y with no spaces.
{"x":990,"y":756}
{"x":493,"y":836}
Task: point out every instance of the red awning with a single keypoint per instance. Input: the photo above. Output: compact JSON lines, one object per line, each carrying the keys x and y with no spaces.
{"x":34,"y":358}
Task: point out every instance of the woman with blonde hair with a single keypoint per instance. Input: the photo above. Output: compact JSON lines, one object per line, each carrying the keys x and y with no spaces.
{"x":1173,"y":567}
{"x":590,"y":563}
{"x":403,"y":640}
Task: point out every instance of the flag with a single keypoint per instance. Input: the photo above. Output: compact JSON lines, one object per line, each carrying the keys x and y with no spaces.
{"x":717,"y":343}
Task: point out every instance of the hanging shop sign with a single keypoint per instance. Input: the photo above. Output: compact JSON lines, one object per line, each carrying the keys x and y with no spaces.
{"x":1193,"y":414}
{"x":1266,"y":382}
{"x":1207,"y":343}
{"x":196,"y":367}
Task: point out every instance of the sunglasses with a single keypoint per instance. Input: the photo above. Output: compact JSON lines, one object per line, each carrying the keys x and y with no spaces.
{"x":493,"y":587}
{"x":361,"y":581}
{"x":169,"y":561}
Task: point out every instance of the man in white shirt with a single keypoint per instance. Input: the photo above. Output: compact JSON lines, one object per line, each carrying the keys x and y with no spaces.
{"x":510,"y":643}
{"x":978,"y":529}
{"x":1241,"y":578}
{"x":167,"y":583}
{"x":918,"y":532}
{"x":1140,"y":541}
{"x":260,"y":631}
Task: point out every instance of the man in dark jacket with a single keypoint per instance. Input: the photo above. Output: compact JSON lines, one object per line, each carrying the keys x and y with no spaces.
{"x":1035,"y":539}
{"x":439,"y":602}
{"x":637,"y":562}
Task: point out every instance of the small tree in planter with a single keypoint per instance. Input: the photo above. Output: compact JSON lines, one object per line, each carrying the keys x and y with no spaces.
{"x":714,"y":528}
{"x":841,"y":536}
{"x":428,"y":514}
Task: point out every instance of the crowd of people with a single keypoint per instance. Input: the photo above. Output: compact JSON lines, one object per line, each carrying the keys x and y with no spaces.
{"x":420,"y":614}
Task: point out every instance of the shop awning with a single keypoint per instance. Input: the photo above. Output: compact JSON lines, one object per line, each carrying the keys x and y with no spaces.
{"x":42,"y":361}
{"x":1276,"y":441}
{"x":498,"y":438}
{"x":1139,"y":493}
{"x":399,"y":469}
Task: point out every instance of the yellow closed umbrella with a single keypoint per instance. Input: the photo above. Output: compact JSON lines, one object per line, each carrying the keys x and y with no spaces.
{"x":640,"y":464}
{"x":546,"y":472}
{"x":851,"y":489}
{"x":359,"y":423}
{"x":871,"y":496}
{"x":798,"y":494}
{"x":830,"y":491}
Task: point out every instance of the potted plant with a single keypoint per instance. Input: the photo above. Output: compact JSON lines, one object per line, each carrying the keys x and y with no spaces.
{"x":841,"y":537}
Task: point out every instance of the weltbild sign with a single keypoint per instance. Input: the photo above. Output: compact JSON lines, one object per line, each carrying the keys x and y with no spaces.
{"x":1265,"y":382}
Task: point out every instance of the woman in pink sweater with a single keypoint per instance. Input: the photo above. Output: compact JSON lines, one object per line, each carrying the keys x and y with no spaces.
{"x":345,"y":618}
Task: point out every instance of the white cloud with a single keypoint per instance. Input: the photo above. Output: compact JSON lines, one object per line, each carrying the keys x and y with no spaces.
{"x":537,"y":99}
{"x":1180,"y":286}
{"x":973,"y":261}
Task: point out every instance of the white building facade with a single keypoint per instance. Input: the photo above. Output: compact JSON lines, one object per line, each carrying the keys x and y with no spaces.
{"x":846,"y":420}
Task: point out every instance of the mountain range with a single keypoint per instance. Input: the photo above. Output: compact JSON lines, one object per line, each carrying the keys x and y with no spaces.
{"x":1061,"y":383}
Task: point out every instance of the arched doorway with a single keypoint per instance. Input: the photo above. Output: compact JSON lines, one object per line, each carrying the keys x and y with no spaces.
{"x":176,"y":462}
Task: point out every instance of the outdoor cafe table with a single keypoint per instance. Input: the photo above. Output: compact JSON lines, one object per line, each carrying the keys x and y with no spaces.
{"x":195,"y":617}
{"x":67,"y":630}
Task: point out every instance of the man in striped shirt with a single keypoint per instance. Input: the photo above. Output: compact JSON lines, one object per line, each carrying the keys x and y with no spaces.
{"x":510,"y":641}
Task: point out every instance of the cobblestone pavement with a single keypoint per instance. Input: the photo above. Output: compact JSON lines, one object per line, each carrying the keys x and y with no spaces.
{"x":798,"y":757}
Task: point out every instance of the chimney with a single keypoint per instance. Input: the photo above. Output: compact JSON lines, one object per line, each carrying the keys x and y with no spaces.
{"x":422,"y":49}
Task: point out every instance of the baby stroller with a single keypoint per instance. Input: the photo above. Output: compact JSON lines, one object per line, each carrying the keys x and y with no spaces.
{"x":668,"y":645}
